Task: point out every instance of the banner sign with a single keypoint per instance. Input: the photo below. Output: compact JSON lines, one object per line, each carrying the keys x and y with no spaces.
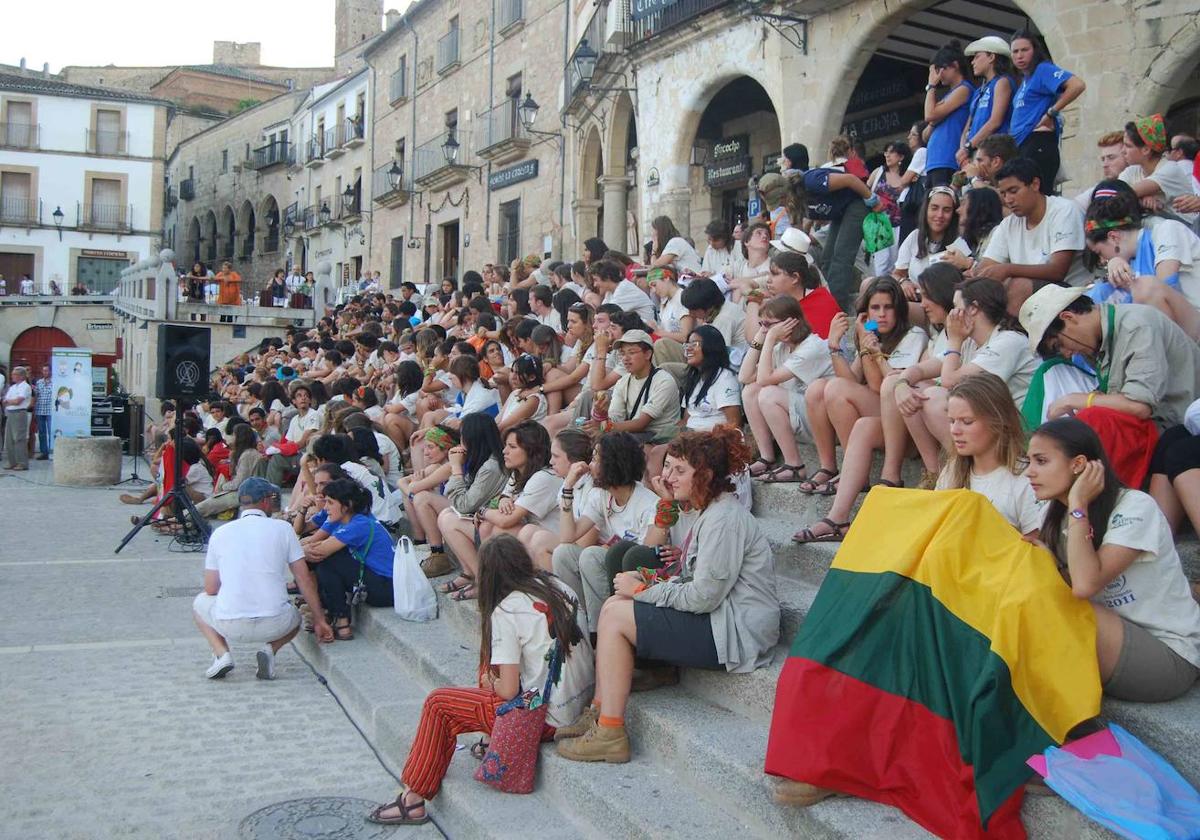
{"x":894,"y":121}
{"x":732,"y":147}
{"x":513,"y":175}
{"x":641,"y":9}
{"x":71,"y":377}
{"x":725,"y":172}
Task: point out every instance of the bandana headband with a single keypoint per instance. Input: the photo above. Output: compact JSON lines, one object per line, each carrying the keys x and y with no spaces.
{"x":438,"y":437}
{"x":1153,"y":132}
{"x":1093,"y":225}
{"x":1104,"y":193}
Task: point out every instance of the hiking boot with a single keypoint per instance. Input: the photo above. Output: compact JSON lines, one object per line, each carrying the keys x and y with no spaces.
{"x":437,"y":564}
{"x":800,"y":794}
{"x":648,"y":679}
{"x":586,"y":720}
{"x":600,"y":743}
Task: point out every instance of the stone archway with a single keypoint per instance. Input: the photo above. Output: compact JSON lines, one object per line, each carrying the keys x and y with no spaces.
{"x":587,"y":204}
{"x":1167,"y":70}
{"x":193,"y":241}
{"x":268,"y":212}
{"x":210,"y":239}
{"x":615,"y":184}
{"x":246,"y":231}
{"x":227,"y":234}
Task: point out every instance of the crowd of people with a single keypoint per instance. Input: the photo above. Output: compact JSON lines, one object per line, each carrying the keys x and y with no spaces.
{"x":573,"y":443}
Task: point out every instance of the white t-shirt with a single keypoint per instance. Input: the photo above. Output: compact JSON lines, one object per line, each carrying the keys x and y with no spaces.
{"x":687,"y":261}
{"x":514,"y":399}
{"x":719,"y":261}
{"x":631,"y":299}
{"x":917,"y":165}
{"x":906,"y":254}
{"x":381,"y":500}
{"x":725,"y":391}
{"x":729,"y":323}
{"x":19,"y":391}
{"x":540,"y":497}
{"x":1176,"y":241}
{"x":583,"y":488}
{"x":910,"y":349}
{"x":301,"y":424}
{"x":807,"y":362}
{"x":252,"y":556}
{"x":612,"y":362}
{"x":479,"y":399}
{"x":1006,"y":354}
{"x":406,"y":401}
{"x":550,"y":319}
{"x":521,"y":636}
{"x":1153,"y":592}
{"x":391,"y":454}
{"x":671,"y":314}
{"x":614,"y":523}
{"x":198,"y":480}
{"x":1061,"y":229}
{"x":1009,"y":494}
{"x":1174,"y":178}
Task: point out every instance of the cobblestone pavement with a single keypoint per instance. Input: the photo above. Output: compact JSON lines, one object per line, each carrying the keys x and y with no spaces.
{"x":110,"y":729}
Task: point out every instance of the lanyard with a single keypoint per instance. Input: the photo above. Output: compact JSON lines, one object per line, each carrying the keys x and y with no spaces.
{"x":1102,"y":373}
{"x":642,"y":396}
{"x":362,"y":560}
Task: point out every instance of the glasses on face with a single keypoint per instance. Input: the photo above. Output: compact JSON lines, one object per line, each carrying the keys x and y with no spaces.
{"x":695,"y":344}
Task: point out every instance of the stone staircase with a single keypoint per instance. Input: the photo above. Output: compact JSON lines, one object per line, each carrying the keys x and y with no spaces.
{"x":698,"y":748}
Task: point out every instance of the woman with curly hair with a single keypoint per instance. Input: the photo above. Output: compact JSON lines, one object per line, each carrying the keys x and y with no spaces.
{"x":719,"y":609}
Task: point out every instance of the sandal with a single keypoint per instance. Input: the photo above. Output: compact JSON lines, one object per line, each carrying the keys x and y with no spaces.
{"x":479,"y":749}
{"x":796,"y":474}
{"x":838,"y":533}
{"x":405,"y":817}
{"x":465,"y":593}
{"x":767,"y":467}
{"x":819,"y":483}
{"x":461,"y":582}
{"x":343,"y":632}
{"x":884,"y":482}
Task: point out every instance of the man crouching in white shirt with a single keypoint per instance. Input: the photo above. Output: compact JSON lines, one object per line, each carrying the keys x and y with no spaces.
{"x":245,"y":587}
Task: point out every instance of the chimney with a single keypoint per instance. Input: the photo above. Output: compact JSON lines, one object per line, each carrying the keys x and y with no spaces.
{"x":391,"y":18}
{"x":46,"y":70}
{"x":22,"y":62}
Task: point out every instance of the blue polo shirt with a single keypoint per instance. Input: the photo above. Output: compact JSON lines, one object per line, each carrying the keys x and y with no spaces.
{"x":1034,"y":97}
{"x":357,"y":533}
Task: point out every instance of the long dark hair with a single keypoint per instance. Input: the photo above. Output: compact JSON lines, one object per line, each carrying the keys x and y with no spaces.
{"x":938,"y":282}
{"x":923,"y":232}
{"x":622,"y":461}
{"x":481,"y":438}
{"x":992,"y":300}
{"x":272,"y":391}
{"x":534,"y":441}
{"x":1073,"y":438}
{"x":1039,"y":53}
{"x":666,"y":230}
{"x":900,"y":148}
{"x":984,"y":212}
{"x":365,"y":444}
{"x":596,"y":248}
{"x":244,"y":439}
{"x":951,"y":55}
{"x":505,"y":567}
{"x":887,"y":286}
{"x":715,"y":359}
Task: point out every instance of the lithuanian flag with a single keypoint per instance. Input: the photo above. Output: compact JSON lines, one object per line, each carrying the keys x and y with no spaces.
{"x":941,"y":652}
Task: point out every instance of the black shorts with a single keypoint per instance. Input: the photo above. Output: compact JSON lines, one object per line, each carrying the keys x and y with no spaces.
{"x":675,"y":637}
{"x":1177,"y":452}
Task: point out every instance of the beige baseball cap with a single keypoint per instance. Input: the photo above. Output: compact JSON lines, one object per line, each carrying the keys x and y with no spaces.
{"x":1043,"y":306}
{"x":635,"y":337}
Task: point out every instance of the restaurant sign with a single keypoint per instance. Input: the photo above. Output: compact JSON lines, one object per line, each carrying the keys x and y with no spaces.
{"x":513,"y":175}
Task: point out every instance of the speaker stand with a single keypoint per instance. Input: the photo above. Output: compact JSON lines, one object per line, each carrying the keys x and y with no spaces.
{"x":134,"y":479}
{"x":193,"y":529}
{"x":136,"y":442}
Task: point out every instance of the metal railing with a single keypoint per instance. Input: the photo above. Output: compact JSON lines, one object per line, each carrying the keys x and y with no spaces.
{"x":107,"y":142}
{"x":187,"y":189}
{"x":105,"y":216}
{"x":512,"y":12}
{"x":381,"y":182}
{"x":398,"y":85}
{"x":320,"y":144}
{"x":671,"y":16}
{"x":312,"y":217}
{"x":272,"y":154}
{"x":17,"y":135}
{"x":23,"y":211}
{"x":499,"y":124}
{"x":607,"y":34}
{"x":350,"y":129}
{"x":447,"y":50}
{"x":429,"y":157}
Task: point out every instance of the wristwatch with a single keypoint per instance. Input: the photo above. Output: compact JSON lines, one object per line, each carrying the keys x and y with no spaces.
{"x":1079,"y":513}
{"x":1051,"y":112}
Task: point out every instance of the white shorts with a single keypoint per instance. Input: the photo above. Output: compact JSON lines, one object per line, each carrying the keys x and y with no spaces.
{"x":247,"y":630}
{"x":798,"y":414}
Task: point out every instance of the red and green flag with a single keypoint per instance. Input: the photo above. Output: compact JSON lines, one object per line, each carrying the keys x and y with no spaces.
{"x":941,"y":652}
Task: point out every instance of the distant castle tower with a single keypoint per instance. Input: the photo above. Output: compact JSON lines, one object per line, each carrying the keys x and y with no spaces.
{"x":356,"y":21}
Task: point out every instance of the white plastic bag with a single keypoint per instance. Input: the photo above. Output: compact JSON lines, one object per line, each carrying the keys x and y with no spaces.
{"x":414,"y":597}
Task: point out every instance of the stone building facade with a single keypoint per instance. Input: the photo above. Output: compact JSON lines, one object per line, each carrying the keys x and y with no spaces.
{"x":451,"y":70}
{"x":709,"y":72}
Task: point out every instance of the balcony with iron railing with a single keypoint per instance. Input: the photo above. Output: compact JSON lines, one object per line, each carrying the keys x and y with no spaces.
{"x":512,"y":13}
{"x":19,"y":135}
{"x":434,"y":169}
{"x":607,"y":34}
{"x":353,"y":131}
{"x":671,"y":16}
{"x":272,"y":154}
{"x":187,"y":189}
{"x":391,"y":188}
{"x":20,"y":210}
{"x":104,"y":217}
{"x":102,"y":142}
{"x":447,"y":51}
{"x":501,"y":137}
{"x":319,"y":146}
{"x":398,"y":86}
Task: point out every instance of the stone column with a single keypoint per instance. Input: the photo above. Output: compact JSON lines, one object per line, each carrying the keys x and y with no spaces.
{"x":587,"y":214}
{"x":616,"y":195}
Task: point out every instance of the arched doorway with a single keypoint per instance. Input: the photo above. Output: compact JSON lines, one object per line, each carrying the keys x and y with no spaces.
{"x":892,"y":67}
{"x":228,"y":233}
{"x":246,"y":228}
{"x":619,"y":219}
{"x":34,"y":347}
{"x":210,"y":239}
{"x":737,"y":139}
{"x":589,"y":207}
{"x":193,"y":241}
{"x":269,"y":213}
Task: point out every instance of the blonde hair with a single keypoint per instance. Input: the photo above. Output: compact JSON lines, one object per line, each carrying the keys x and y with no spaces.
{"x":992,"y":403}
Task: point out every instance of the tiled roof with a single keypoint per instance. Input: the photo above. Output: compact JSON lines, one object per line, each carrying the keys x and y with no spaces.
{"x":229,"y":70}
{"x":56,"y":87}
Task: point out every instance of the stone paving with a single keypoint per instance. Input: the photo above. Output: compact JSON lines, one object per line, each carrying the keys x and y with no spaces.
{"x":110,"y":729}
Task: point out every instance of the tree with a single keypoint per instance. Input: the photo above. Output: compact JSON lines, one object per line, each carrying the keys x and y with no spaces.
{"x":243,"y":104}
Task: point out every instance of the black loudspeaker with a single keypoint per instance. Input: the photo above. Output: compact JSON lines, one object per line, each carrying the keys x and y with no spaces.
{"x":183,"y":362}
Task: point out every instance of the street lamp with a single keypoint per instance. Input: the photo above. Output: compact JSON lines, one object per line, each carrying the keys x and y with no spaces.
{"x":58,"y":221}
{"x":289,"y":228}
{"x":528,"y":111}
{"x":584,"y":62}
{"x":395,"y":175}
{"x":323,"y":213}
{"x":450,"y":149}
{"x":348,"y":197}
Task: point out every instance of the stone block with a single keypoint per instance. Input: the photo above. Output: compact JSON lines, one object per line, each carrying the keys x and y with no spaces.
{"x":87,"y":461}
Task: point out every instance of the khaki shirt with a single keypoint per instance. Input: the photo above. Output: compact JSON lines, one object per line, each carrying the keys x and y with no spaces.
{"x":1151,"y":360}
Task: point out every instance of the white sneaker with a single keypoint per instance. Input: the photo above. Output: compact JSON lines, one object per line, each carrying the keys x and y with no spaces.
{"x":221,"y":665}
{"x":266,"y":663}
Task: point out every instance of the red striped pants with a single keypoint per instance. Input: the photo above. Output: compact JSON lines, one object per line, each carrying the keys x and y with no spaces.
{"x":448,"y":713}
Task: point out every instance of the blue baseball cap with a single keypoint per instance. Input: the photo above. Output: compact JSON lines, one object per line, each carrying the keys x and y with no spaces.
{"x":254,"y":489}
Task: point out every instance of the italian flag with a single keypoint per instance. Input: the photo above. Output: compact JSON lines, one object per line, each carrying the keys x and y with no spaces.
{"x":942,"y":651}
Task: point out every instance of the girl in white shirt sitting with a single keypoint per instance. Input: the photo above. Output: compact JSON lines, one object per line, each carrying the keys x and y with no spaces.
{"x":526,"y":401}
{"x":570,"y":446}
{"x":936,"y":231}
{"x":1114,"y":547}
{"x":670,"y":248}
{"x":988,"y":452}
